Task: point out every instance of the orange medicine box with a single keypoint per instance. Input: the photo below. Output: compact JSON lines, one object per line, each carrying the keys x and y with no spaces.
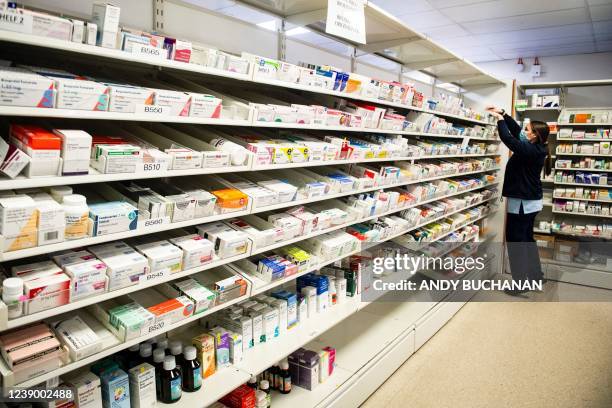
{"x":41,"y":145}
{"x":205,"y":344}
{"x":230,"y":199}
{"x":175,"y":309}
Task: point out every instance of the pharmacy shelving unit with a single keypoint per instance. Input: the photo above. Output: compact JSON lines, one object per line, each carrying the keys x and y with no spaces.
{"x":571,"y":271}
{"x":386,"y":33}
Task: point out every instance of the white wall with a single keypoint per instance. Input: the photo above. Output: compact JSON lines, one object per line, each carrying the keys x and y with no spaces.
{"x":561,"y":68}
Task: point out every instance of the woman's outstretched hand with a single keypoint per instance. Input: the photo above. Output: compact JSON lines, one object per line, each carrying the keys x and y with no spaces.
{"x":495,"y":112}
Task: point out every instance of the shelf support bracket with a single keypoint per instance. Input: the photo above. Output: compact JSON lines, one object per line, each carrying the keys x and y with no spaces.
{"x":281,"y":53}
{"x":158,"y":15}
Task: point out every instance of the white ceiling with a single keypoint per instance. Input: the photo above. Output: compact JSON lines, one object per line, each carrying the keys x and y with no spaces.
{"x":492,"y":30}
{"x":480,"y":30}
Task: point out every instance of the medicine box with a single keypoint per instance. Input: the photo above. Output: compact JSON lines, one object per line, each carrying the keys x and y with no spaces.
{"x":142,"y":386}
{"x":115,"y":389}
{"x":106,"y":18}
{"x":42,"y":146}
{"x":12,"y":159}
{"x":308,"y":368}
{"x":202,"y":297}
{"x":178,"y":102}
{"x":76,"y":151}
{"x":197,"y":251}
{"x":77,"y":336}
{"x":113,"y":217}
{"x":222,"y":346}
{"x":127,"y":98}
{"x":31,"y":22}
{"x":80,"y":94}
{"x":88,"y":392}
{"x":124,"y":266}
{"x":51,"y":222}
{"x":240,"y":324}
{"x":162,"y":256}
{"x":205,"y":344}
{"x":19,"y":87}
{"x":88,"y":278}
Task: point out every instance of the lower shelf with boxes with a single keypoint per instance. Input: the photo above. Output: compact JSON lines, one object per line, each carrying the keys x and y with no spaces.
{"x":78,"y":278}
{"x":118,"y":323}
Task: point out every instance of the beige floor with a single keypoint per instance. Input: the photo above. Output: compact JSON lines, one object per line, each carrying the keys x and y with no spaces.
{"x":511,"y":354}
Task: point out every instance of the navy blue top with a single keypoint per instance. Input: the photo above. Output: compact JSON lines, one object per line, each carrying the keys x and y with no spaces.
{"x":522,"y":177}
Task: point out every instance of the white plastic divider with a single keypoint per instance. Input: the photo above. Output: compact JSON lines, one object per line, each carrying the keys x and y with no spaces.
{"x":583,"y":184}
{"x":583,"y":139}
{"x":585,"y":124}
{"x":581,"y":214}
{"x":39,"y":250}
{"x":120,"y":55}
{"x":251,"y":250}
{"x":583,"y":169}
{"x":597,"y":200}
{"x":583,"y":154}
{"x":580,"y":235}
{"x":8,"y":380}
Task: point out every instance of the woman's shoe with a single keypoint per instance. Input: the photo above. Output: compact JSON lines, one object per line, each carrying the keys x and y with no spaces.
{"x":514,"y":292}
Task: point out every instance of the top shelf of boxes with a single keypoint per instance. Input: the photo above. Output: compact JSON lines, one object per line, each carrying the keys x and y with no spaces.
{"x":133,"y":46}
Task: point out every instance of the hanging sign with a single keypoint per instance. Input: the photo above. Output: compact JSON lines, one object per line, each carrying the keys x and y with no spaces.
{"x":346,"y":19}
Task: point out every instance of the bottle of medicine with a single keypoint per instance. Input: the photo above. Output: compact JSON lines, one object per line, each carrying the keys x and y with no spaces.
{"x":176,"y":350}
{"x":12,"y":291}
{"x":146,"y":353}
{"x":163,"y":344}
{"x":171,"y":387}
{"x":192,"y":370}
{"x":237,"y":153}
{"x":264,"y":386}
{"x":158,"y":362}
{"x":252,"y":382}
{"x":59,"y":192}
{"x":77,"y":216}
{"x":333,"y":295}
{"x":285,"y":387}
{"x":262,"y":399}
{"x":133,"y":357}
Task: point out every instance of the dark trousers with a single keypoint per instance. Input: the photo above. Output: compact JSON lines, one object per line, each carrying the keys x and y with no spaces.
{"x":522,"y":248}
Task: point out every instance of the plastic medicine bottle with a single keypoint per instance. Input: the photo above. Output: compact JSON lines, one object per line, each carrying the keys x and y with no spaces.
{"x":59,"y":192}
{"x":192,"y":370}
{"x":252,"y":382}
{"x":146,"y":353}
{"x":285,"y":375}
{"x":12,"y":291}
{"x":176,"y":350}
{"x":264,"y":386}
{"x":170,"y":382}
{"x":159,"y":354}
{"x":262,"y":399}
{"x":77,"y":213}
